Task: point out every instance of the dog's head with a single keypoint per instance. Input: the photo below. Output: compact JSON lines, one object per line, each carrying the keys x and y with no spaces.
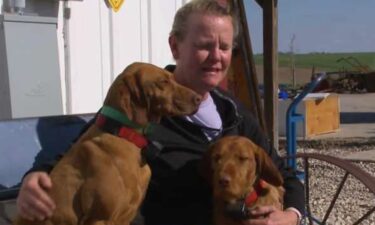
{"x":146,"y":92}
{"x":235,"y":164}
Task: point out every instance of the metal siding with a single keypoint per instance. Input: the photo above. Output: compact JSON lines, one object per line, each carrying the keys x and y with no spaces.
{"x":86,"y":54}
{"x":102,"y":43}
{"x":162,"y":13}
{"x":60,"y":43}
{"x":127,"y":35}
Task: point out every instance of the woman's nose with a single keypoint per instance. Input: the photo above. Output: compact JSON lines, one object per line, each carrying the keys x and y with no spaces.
{"x":215,"y":54}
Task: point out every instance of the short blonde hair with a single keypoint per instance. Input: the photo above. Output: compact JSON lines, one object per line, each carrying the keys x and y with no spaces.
{"x":201,"y":6}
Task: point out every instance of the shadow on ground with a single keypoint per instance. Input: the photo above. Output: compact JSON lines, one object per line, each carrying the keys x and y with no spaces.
{"x":357,"y":117}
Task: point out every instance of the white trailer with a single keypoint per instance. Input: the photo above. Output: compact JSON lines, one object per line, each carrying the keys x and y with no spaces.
{"x":93,"y":44}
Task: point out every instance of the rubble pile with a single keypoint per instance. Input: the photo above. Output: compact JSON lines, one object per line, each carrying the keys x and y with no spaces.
{"x":348,"y":82}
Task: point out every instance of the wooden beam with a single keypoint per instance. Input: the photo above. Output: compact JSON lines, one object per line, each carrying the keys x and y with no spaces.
{"x":242,"y":78}
{"x":270,"y":77}
{"x":248,"y":57}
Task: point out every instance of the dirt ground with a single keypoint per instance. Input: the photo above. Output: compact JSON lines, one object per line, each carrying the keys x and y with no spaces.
{"x":302,"y":75}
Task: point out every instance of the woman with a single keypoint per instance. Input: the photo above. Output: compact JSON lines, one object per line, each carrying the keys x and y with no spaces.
{"x":201,"y":43}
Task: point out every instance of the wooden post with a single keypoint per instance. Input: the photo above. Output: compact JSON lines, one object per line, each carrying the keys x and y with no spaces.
{"x":270,"y":52}
{"x":242,"y":79}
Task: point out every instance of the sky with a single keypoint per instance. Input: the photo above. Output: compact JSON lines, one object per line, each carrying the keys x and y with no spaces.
{"x":318,"y":25}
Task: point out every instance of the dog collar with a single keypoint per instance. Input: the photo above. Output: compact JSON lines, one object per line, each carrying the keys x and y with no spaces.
{"x":240,"y":210}
{"x":112,"y":121}
{"x":253,"y":196}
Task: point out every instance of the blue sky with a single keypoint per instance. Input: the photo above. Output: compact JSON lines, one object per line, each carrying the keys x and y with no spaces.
{"x":319,"y":25}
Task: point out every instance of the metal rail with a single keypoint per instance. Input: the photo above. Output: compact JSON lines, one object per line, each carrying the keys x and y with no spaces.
{"x":350,"y":169}
{"x":292,"y":118}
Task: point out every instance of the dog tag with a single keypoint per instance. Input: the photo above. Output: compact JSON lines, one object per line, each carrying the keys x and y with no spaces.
{"x":116,"y":4}
{"x":237,"y":210}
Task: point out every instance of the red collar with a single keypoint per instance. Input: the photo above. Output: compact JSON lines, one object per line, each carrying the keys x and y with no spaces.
{"x":108,"y":125}
{"x":253,"y":196}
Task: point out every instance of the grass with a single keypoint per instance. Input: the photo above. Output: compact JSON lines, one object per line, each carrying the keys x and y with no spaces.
{"x":327,"y":61}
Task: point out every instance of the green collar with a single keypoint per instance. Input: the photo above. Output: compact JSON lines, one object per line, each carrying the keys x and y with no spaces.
{"x":124,"y":120}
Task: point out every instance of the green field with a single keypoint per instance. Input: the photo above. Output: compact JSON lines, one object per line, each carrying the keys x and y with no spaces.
{"x":327,"y":61}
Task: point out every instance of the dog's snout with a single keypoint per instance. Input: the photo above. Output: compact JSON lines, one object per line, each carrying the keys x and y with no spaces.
{"x":197,"y":99}
{"x":224,"y":181}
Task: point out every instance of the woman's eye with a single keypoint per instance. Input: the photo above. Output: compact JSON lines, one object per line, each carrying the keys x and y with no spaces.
{"x":225,"y":47}
{"x":203,"y":46}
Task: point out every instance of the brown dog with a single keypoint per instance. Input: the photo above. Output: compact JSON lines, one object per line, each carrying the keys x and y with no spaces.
{"x":243,"y":176}
{"x":103,"y":178}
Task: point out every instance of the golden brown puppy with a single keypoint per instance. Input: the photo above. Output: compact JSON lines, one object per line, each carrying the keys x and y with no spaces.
{"x":103,"y":178}
{"x":243,"y":176}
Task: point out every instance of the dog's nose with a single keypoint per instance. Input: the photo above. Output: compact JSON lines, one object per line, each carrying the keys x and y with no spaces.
{"x":224,"y":181}
{"x":197,"y":99}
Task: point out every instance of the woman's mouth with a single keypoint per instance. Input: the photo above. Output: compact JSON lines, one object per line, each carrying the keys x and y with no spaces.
{"x":211,"y":70}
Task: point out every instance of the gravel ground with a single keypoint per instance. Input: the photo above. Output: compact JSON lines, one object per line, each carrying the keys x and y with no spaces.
{"x":355,"y":199}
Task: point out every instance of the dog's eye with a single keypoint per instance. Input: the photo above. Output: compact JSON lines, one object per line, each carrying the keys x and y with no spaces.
{"x":162,"y":83}
{"x":243,"y":158}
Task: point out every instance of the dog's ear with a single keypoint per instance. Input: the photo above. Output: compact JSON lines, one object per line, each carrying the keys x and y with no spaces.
{"x":267,"y":169}
{"x":132,"y":83}
{"x":118,"y":94}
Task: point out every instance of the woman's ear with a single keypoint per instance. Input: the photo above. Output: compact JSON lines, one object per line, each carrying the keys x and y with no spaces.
{"x":173,"y":46}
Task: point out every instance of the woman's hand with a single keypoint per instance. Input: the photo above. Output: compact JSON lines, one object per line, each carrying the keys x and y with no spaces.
{"x":269,"y":215}
{"x":33,"y":201}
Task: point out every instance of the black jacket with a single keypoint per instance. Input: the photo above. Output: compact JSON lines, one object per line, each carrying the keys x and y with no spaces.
{"x":177,"y":194}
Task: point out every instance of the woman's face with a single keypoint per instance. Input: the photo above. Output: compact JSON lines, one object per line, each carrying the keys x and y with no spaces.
{"x":204,"y":54}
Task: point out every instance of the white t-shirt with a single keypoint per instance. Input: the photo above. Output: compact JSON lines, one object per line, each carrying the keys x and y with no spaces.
{"x":208,"y":117}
